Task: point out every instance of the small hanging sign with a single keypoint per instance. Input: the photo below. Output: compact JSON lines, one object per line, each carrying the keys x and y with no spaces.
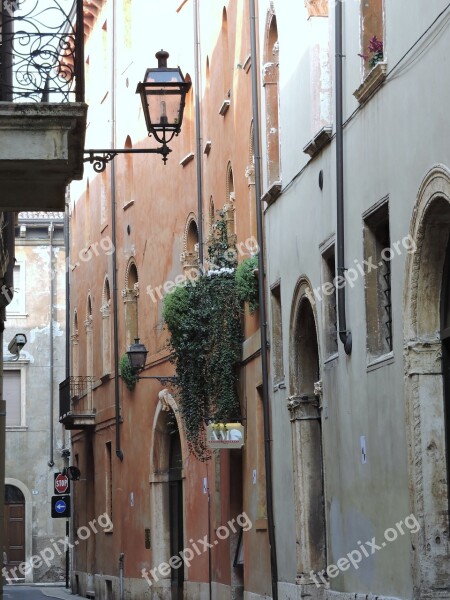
{"x":225,"y":435}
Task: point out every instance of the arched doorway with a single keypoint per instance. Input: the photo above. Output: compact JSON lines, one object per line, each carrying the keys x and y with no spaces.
{"x":305,"y":415}
{"x":14,"y":529}
{"x":427,"y":380}
{"x":445,"y":339}
{"x":175,"y":504}
{"x":167,"y":501}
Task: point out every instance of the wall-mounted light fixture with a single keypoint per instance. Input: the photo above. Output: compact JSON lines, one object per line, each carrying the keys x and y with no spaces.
{"x":163,"y":96}
{"x":137,"y":355}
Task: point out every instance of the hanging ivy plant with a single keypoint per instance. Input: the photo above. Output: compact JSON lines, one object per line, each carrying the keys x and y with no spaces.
{"x":220,"y":252}
{"x":247,"y":283}
{"x":203,"y":318}
{"x":127,"y":373}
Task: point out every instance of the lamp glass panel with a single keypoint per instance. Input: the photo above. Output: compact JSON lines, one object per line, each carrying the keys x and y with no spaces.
{"x":164,"y":109}
{"x":137,"y":359}
{"x":166,"y":76}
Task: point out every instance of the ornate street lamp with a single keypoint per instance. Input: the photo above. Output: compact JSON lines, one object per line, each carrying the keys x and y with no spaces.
{"x":137,"y":355}
{"x":163,"y":96}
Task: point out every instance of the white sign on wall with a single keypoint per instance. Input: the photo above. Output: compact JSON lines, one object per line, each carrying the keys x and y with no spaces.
{"x":225,"y":435}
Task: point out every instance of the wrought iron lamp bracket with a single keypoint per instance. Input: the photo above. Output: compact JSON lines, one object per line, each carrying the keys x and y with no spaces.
{"x":162,"y":379}
{"x":100,"y":158}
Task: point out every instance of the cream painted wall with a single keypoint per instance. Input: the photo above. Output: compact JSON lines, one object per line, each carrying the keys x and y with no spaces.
{"x":389,"y":147}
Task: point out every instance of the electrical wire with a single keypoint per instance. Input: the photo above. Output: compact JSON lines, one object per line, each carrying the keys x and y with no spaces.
{"x":384,"y":82}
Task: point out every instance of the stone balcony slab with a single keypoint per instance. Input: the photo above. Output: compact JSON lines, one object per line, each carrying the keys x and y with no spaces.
{"x":41,"y":152}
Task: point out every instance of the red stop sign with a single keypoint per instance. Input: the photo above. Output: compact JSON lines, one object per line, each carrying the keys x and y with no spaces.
{"x":61,"y":484}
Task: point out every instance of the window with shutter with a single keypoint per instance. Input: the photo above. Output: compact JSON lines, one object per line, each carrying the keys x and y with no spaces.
{"x":12,"y":395}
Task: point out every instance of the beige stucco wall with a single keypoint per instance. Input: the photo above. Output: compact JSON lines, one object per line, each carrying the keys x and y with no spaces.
{"x":28,"y":446}
{"x":389,"y":147}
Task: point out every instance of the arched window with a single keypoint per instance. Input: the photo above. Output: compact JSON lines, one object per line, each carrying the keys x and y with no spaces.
{"x":189,"y":256}
{"x":229,"y":208}
{"x":130,"y":297}
{"x":188,"y":122}
{"x":320,"y":73}
{"x":212,"y":214}
{"x":372,"y":34}
{"x":75,"y":346}
{"x":103,"y":199}
{"x":129,"y":174}
{"x":225,"y":55}
{"x":208,"y":74}
{"x":250,"y":174}
{"x":87,"y":216}
{"x":88,"y":325}
{"x":106,"y":327}
{"x":271,"y":84}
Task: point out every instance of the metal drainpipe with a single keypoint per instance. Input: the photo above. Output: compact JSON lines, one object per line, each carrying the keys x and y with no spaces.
{"x":119,"y":452}
{"x":198,"y":130}
{"x":344,"y":335}
{"x":51,"y":462}
{"x":68,"y":324}
{"x":121,"y":573}
{"x":262,"y":306}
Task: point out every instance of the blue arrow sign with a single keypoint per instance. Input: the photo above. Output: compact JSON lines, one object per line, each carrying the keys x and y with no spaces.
{"x":60,"y":506}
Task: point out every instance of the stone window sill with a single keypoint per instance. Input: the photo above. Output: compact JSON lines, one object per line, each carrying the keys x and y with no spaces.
{"x":372,"y":82}
{"x":381,"y":361}
{"x":187,"y":159}
{"x":224,"y":108}
{"x":319,"y":141}
{"x":272,"y":193}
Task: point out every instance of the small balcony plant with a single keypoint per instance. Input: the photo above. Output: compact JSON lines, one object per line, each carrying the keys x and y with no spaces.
{"x":375,"y":52}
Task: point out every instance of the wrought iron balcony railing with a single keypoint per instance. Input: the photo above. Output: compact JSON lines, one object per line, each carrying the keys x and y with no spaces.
{"x":75,"y":402}
{"x":42,"y":51}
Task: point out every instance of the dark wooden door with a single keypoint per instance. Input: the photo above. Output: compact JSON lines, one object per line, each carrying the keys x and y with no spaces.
{"x":176,"y":513}
{"x":14,"y":535}
{"x":445,"y":338}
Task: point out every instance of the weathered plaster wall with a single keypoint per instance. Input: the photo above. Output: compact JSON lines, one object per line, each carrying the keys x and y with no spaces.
{"x":28,"y":446}
{"x":389,"y":147}
{"x":153,"y":206}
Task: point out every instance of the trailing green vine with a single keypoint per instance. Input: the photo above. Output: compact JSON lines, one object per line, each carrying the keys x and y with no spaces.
{"x":127,"y":373}
{"x":221,"y":253}
{"x":203,"y":318}
{"x":247,"y":283}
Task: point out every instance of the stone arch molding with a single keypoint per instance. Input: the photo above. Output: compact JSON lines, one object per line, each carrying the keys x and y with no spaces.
{"x":106,"y":297}
{"x":189,"y":255}
{"x":75,"y":323}
{"x":424,"y":394}
{"x":88,"y":321}
{"x":28,"y":522}
{"x":135,"y":291}
{"x":303,"y":290}
{"x":305,"y":417}
{"x":190,"y":219}
{"x":159,"y":478}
